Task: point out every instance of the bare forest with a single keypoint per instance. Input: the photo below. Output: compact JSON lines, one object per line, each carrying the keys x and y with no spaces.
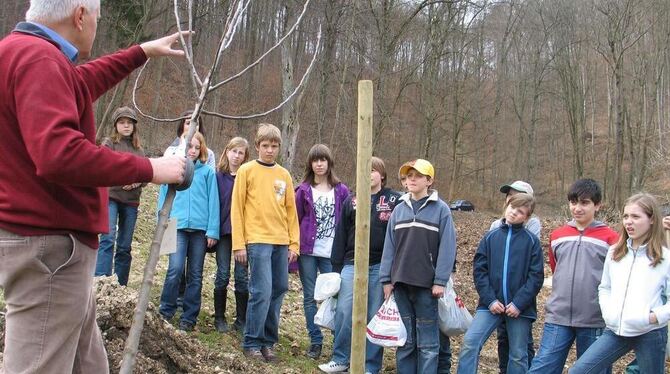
{"x":490,"y":91}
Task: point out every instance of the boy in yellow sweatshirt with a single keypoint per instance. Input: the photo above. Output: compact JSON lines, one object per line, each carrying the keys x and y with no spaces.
{"x":266,"y":234}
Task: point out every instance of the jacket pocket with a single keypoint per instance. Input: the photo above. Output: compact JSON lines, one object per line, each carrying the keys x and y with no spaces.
{"x":611,"y":316}
{"x":639,"y":321}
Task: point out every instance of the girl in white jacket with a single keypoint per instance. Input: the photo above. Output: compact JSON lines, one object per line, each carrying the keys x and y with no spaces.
{"x":633,"y":293}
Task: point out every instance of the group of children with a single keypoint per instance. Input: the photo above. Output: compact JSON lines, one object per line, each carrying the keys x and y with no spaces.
{"x":609,"y":290}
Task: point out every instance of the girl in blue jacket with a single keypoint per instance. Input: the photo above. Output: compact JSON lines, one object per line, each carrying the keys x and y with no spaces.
{"x":319,"y":201}
{"x":508,"y":271}
{"x":197,"y":212}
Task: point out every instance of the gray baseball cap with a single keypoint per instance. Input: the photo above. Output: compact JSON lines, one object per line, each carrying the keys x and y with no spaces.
{"x":520,"y":186}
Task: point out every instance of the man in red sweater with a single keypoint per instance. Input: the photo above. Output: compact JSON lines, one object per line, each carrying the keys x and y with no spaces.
{"x":52,"y":201}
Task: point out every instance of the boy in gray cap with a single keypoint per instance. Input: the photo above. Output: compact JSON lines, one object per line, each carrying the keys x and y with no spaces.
{"x":534,"y":226}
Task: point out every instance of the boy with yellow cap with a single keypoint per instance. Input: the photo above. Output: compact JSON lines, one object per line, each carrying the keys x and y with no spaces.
{"x":418,"y":257}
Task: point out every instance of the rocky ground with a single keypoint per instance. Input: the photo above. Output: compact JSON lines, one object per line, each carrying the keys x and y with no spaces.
{"x":163,"y":349}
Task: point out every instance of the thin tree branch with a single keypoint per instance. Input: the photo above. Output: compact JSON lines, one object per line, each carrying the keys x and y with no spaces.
{"x":288,"y":98}
{"x":279,"y":42}
{"x":137,"y":79}
{"x":230,"y":30}
{"x":188,"y":50}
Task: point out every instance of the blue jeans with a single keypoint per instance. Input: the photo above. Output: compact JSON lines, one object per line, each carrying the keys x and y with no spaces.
{"x":418,"y":310}
{"x":223,"y":257}
{"x":556,"y":343}
{"x":126,"y":215}
{"x":345,"y":303}
{"x":482,"y":326}
{"x":268,"y":283}
{"x":309,"y":266}
{"x":649,"y":350}
{"x":191,"y":246}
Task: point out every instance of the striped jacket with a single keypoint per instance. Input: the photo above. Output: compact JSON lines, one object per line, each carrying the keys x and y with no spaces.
{"x":576,"y":258}
{"x":419,"y":249}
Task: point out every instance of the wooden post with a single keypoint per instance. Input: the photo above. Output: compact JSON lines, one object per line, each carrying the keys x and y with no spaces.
{"x":361,"y":257}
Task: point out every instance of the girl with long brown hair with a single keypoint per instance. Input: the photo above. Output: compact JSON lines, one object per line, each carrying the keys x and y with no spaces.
{"x":633,"y":293}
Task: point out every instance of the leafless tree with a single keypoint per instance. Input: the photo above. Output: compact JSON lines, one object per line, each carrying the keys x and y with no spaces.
{"x":203,"y":85}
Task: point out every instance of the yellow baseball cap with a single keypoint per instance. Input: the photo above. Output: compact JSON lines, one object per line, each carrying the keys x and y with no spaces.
{"x":422,"y":166}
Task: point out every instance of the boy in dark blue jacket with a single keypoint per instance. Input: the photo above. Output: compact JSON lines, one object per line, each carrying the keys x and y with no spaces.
{"x":419,"y":254}
{"x":508,"y":274}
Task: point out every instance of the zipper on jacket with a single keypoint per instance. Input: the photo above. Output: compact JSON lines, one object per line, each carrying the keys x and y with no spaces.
{"x":625,"y":294}
{"x":574,"y":270}
{"x":507,"y":243}
{"x":432,"y":264}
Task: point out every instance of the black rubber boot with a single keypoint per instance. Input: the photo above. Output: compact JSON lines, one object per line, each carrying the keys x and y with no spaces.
{"x":241,"y":299}
{"x":220,"y":309}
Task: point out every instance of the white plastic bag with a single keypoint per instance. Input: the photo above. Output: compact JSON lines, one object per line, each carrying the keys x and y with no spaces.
{"x":454,"y":316}
{"x":327,"y":285}
{"x":325,"y":316}
{"x":386,"y":327}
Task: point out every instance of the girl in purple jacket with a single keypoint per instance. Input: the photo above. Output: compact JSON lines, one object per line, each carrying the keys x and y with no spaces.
{"x":318,"y":201}
{"x":234,"y":155}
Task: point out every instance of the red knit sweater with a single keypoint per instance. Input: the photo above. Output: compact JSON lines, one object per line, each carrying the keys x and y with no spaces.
{"x":51,"y":171}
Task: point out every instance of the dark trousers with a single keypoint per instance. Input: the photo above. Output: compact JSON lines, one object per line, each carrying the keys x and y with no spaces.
{"x":503,"y":347}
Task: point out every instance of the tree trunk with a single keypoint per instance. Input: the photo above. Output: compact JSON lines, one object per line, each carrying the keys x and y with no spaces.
{"x":290,"y":123}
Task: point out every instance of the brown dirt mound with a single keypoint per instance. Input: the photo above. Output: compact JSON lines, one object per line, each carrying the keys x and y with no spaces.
{"x":162,"y":349}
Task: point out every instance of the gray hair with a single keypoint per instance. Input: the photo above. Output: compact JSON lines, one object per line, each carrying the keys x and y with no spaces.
{"x":51,"y":11}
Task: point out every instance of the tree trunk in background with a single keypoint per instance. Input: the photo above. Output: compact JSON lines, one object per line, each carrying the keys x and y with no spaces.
{"x":332,"y":14}
{"x":502,"y":48}
{"x":250,"y":49}
{"x":290,"y":123}
{"x":142,"y":11}
{"x":618,"y":136}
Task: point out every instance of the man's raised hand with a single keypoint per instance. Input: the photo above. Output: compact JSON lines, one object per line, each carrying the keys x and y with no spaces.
{"x":163,"y":46}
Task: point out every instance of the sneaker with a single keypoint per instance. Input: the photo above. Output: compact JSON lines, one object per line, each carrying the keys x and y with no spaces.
{"x":254,"y":354}
{"x":185,"y":326}
{"x":314,"y":351}
{"x":268,"y":354}
{"x":333,"y":367}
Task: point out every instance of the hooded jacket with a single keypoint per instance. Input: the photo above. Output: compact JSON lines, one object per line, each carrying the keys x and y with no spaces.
{"x":576,"y":258}
{"x":631,"y":289}
{"x":304,"y":203}
{"x":509,"y":267}
{"x":197,"y":208}
{"x":420,"y":248}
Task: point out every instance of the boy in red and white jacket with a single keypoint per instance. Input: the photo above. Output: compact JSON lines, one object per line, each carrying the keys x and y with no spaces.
{"x":576,"y":255}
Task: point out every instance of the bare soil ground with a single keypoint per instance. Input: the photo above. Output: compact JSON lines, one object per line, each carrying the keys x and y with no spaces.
{"x":163,"y":349}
